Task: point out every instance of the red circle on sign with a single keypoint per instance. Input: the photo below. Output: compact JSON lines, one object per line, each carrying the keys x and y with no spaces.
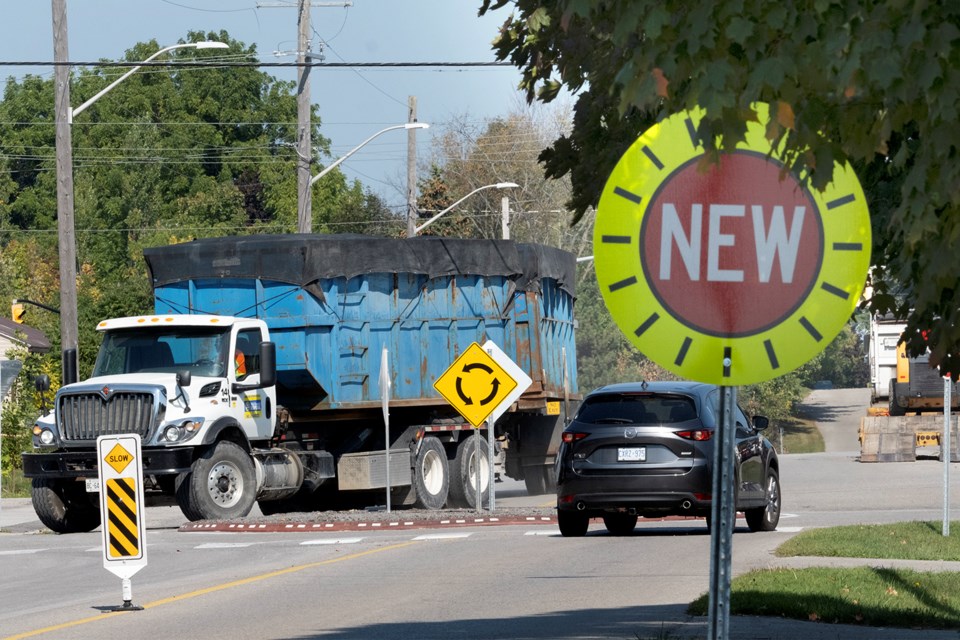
{"x":734,"y":250}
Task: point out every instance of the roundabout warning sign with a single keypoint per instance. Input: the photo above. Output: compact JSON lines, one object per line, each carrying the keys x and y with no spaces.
{"x":729,"y":273}
{"x":476,"y":384}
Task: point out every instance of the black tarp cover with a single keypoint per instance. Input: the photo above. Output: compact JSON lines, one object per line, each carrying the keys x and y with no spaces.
{"x":303,"y":259}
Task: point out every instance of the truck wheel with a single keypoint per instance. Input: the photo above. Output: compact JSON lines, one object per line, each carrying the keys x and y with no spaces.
{"x":540,"y":479}
{"x":63,"y":506}
{"x":463,"y":475}
{"x":221,"y":485}
{"x":767,"y":517}
{"x":431,"y":478}
{"x":572,"y":524}
{"x":895,"y":408}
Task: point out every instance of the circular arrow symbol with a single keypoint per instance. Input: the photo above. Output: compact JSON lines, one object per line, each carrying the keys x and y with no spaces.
{"x":495,"y":384}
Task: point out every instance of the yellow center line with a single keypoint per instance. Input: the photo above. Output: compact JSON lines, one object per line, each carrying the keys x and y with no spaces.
{"x":201,"y":592}
{"x":552,"y":503}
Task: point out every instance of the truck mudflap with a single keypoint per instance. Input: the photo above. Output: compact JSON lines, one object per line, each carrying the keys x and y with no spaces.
{"x":83,"y":464}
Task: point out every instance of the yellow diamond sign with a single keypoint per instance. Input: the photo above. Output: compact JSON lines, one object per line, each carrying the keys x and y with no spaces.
{"x":118,"y":458}
{"x":475,"y":384}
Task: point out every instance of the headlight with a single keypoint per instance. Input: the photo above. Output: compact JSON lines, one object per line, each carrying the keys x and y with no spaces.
{"x":181,"y":430}
{"x":45,"y":436}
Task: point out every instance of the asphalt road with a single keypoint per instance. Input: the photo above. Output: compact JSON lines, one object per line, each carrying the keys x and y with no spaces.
{"x":519,"y":581}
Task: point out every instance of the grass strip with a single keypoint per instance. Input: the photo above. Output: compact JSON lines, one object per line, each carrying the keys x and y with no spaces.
{"x":870,"y":596}
{"x":914,"y":540}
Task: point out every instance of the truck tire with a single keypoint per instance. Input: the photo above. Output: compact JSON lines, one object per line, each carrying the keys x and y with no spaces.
{"x":63,"y":506}
{"x":540,"y":479}
{"x":431,"y":477}
{"x":221,"y":485}
{"x":896,"y":409}
{"x":463,"y":474}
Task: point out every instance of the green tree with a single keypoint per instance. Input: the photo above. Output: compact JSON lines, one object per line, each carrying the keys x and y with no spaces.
{"x":867,"y":81}
{"x":170,"y":154}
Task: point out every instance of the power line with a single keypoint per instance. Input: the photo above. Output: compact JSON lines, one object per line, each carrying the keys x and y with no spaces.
{"x":189,"y":63}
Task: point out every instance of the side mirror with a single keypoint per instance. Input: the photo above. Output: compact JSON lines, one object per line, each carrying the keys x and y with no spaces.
{"x":268,"y":364}
{"x":42,"y":382}
{"x":761,"y":422}
{"x":184,"y":377}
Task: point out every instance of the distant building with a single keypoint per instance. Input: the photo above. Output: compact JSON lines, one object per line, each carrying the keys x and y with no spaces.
{"x":34,"y":340}
{"x":15,"y":335}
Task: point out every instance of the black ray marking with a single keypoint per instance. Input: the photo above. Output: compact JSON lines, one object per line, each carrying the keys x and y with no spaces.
{"x":771,"y":354}
{"x":615,"y":239}
{"x":810,"y":329}
{"x":848,"y":246}
{"x":646,"y":324}
{"x":692,"y":132}
{"x":623,"y":283}
{"x":839,"y":202}
{"x":653,"y":157}
{"x":837,"y":291}
{"x":623,"y":193}
{"x":683,"y":351}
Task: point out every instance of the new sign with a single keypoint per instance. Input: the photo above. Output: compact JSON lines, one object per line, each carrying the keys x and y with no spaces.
{"x":729,"y":273}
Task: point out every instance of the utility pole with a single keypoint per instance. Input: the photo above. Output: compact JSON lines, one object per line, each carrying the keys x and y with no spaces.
{"x":66,"y":235}
{"x":304,"y":122}
{"x":304,"y":119}
{"x":412,"y":169}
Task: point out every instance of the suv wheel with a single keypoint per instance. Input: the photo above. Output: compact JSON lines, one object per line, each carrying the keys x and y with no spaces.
{"x":572,"y":524}
{"x":765,"y":518}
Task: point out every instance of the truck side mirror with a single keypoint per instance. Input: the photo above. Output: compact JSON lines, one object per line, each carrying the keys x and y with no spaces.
{"x":42,"y":382}
{"x":268,"y":364}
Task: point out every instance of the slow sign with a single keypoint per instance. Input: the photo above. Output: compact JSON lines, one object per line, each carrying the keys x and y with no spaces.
{"x":729,"y":273}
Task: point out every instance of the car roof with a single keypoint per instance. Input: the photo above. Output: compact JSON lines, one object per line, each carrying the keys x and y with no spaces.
{"x":657,"y":386}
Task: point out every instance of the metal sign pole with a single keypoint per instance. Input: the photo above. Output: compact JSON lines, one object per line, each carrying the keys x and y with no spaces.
{"x":722,"y":516}
{"x":385,"y":403}
{"x":476,"y":465}
{"x":490,"y":466}
{"x":947,"y":453}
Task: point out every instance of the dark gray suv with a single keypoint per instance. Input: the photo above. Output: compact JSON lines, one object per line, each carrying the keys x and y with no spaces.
{"x":646,"y":449}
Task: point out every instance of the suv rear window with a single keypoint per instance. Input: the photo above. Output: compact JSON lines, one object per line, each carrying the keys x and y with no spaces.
{"x":619,"y":408}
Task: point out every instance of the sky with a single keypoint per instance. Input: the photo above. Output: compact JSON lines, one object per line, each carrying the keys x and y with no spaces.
{"x":353,"y":104}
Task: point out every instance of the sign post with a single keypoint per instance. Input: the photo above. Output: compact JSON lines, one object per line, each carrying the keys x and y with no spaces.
{"x":385,"y":385}
{"x":121,"y":510}
{"x":729,"y":273}
{"x":947,"y":452}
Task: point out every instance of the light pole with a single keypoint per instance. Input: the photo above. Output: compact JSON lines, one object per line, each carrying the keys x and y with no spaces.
{"x":499,"y":185}
{"x":326,"y":170}
{"x":66,"y":235}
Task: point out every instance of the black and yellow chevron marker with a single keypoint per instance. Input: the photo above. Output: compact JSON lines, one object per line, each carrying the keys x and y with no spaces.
{"x":122,"y":528}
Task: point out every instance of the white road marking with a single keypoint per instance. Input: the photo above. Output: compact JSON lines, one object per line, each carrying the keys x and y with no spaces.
{"x":333,"y":541}
{"x":541,"y":533}
{"x":443,"y":536}
{"x":20,"y":552}
{"x":224,"y":545}
{"x":789,"y":529}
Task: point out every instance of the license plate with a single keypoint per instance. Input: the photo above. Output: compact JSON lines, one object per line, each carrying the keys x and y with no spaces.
{"x":93,"y":485}
{"x":632,"y":454}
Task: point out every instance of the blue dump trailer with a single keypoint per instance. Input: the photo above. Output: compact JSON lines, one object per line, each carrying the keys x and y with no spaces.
{"x":331,"y":304}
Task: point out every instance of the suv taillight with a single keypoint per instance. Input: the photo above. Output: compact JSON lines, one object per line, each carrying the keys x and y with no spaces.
{"x":573,"y":436}
{"x":699,"y":435}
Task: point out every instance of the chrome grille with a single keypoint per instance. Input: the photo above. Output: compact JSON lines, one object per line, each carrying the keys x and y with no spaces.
{"x":84,"y":416}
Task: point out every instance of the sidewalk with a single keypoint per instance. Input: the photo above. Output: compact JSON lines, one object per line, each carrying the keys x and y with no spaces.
{"x":17,"y":516}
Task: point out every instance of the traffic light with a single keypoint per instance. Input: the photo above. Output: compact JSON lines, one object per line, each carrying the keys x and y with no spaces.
{"x":17,"y":311}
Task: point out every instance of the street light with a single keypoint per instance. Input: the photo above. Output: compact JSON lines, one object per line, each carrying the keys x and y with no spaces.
{"x":66,"y":237}
{"x":499,"y":185}
{"x":408,"y":125}
{"x":207,"y":44}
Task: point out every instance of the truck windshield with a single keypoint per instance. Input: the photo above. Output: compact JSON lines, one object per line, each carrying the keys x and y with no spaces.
{"x":163,"y":349}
